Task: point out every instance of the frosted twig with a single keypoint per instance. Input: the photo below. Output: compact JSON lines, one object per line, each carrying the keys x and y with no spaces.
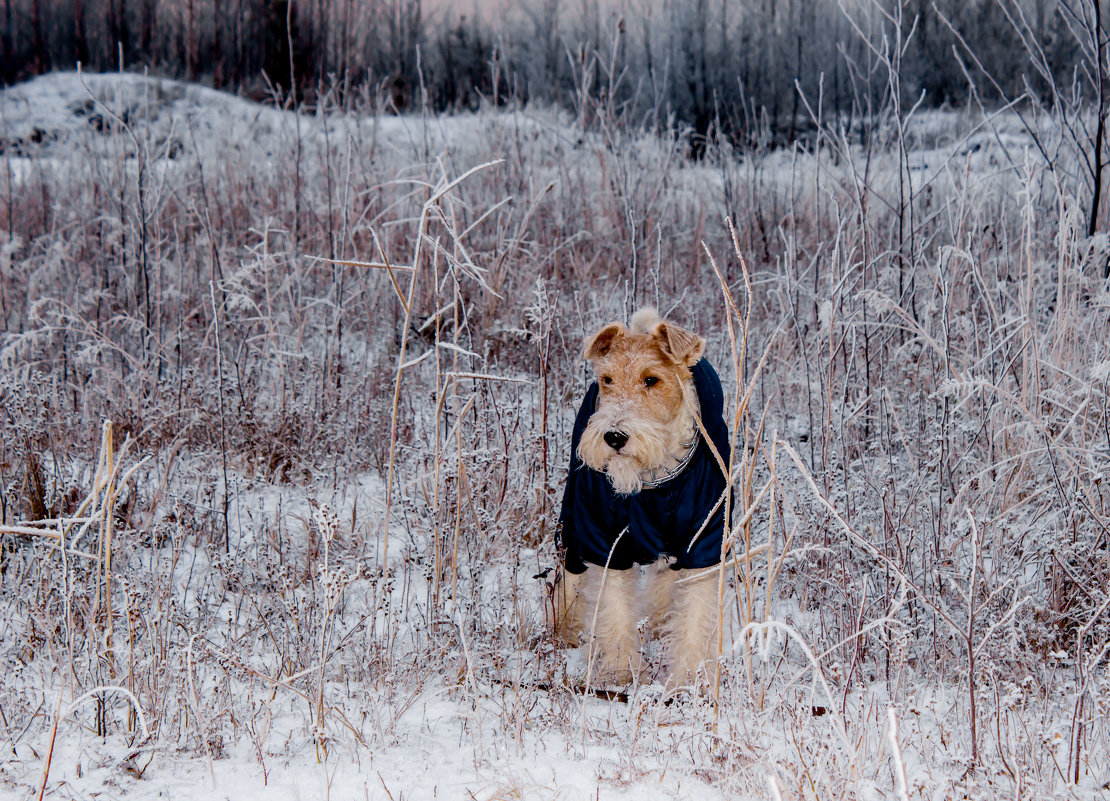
{"x":896,"y":755}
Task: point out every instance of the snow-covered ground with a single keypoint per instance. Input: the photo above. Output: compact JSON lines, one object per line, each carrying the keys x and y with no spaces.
{"x":937,"y":367}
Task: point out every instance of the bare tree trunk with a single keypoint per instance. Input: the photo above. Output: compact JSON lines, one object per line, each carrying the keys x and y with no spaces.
{"x":345,"y":39}
{"x":240,"y":57}
{"x":323,"y":35}
{"x":117,"y":27}
{"x":217,"y":62}
{"x":39,"y":41}
{"x":79,"y":32}
{"x":798,"y":82}
{"x":1096,"y":195}
{"x":550,"y":34}
{"x":1100,"y":129}
{"x":190,"y":40}
{"x":146,"y":29}
{"x":9,"y":56}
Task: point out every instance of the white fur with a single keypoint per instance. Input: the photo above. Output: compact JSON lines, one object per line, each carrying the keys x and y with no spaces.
{"x":644,"y":321}
{"x":647,"y":447}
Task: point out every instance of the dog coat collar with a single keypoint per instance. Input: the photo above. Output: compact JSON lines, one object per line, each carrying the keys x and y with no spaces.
{"x":667,"y":475}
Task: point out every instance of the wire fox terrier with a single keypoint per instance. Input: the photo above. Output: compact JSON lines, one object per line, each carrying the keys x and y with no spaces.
{"x":645,"y":487}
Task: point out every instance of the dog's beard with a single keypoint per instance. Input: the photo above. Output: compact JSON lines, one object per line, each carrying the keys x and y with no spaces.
{"x":648,"y":448}
{"x":624,"y":473}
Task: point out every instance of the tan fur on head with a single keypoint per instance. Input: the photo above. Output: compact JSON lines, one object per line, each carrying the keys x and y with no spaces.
{"x":600,"y":343}
{"x":677,"y":344}
{"x":645,"y":392}
{"x":680,"y":346}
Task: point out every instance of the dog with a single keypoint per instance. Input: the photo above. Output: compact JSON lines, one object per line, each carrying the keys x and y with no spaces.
{"x":645,"y":488}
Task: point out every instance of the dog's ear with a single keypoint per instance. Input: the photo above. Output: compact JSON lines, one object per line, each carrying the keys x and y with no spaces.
{"x":602,"y":342}
{"x":679,"y":345}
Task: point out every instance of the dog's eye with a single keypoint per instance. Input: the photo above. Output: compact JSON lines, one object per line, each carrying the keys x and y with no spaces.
{"x":607,"y":380}
{"x":651,"y":381}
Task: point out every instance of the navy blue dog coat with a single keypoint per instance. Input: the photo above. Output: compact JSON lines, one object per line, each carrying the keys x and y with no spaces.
{"x":657,"y":521}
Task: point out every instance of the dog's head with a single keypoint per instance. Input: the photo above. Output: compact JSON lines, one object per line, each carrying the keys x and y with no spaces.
{"x":644,"y":420}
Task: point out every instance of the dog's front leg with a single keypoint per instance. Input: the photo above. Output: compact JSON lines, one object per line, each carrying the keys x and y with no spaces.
{"x":568,"y":606}
{"x":660,"y":598}
{"x":616,"y":638}
{"x":692,"y":628}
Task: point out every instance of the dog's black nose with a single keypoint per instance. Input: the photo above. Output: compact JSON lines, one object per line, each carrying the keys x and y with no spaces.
{"x":615,"y":439}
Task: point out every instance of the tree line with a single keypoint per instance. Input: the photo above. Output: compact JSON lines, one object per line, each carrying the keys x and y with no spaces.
{"x":745,"y":68}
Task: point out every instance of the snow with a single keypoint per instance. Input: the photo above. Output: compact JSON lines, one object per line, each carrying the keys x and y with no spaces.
{"x":424,"y":760}
{"x":287,"y":692}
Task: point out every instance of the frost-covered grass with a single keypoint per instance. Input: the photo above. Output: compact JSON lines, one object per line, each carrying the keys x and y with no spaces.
{"x":338,"y":354}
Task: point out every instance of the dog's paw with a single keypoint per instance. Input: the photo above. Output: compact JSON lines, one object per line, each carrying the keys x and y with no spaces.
{"x":619,"y":673}
{"x":694,"y":678}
